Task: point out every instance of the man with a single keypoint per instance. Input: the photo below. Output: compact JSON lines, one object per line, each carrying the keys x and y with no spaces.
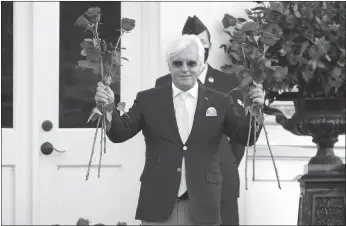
{"x":182,"y":124}
{"x":230,"y":153}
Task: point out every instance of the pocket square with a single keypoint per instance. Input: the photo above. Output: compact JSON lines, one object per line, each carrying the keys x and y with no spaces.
{"x":211,"y":111}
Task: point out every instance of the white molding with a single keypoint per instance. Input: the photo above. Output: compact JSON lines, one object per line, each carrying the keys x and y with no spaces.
{"x":40,"y":29}
{"x":22,"y":75}
{"x":150,"y":32}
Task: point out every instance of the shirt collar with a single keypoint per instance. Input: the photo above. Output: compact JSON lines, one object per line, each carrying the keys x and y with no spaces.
{"x":193,"y":91}
{"x":203,"y":74}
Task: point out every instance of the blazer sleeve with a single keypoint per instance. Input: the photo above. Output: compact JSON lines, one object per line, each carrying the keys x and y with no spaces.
{"x":127,"y":126}
{"x":236,"y":127}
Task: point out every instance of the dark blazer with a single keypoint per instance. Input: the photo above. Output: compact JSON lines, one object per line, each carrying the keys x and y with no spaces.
{"x":231,"y":154}
{"x":153,"y":114}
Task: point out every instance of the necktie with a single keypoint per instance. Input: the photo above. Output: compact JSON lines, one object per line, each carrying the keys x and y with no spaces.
{"x":183,"y":126}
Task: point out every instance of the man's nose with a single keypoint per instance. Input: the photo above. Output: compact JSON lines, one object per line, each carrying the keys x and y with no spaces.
{"x":184,"y":68}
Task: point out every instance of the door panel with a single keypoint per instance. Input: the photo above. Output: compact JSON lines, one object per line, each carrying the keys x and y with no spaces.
{"x":65,"y":97}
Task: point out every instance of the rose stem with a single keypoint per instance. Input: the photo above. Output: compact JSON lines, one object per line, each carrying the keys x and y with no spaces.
{"x":271,"y":154}
{"x":104,"y":133}
{"x":247,"y":149}
{"x":101,"y":148}
{"x":254,"y":150}
{"x":93,"y":148}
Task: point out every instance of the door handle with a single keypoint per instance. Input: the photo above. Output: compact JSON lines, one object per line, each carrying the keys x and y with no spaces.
{"x":47,"y":125}
{"x":47,"y":149}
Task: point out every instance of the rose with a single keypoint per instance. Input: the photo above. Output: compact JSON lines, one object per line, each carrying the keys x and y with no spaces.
{"x":228,"y":21}
{"x":127,"y":24}
{"x":94,"y":14}
{"x":239,"y":36}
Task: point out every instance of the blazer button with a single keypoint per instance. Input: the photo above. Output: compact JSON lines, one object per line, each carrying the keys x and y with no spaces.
{"x":178,"y":170}
{"x":184,"y":148}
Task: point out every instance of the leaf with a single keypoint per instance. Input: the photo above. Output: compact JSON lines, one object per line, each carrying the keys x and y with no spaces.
{"x":328,"y":58}
{"x":116,"y":58}
{"x":318,"y":20}
{"x":253,"y":18}
{"x":232,"y":69}
{"x":248,"y":12}
{"x":224,"y":47}
{"x":228,"y":32}
{"x":84,"y":64}
{"x":236,"y":56}
{"x":83,"y":52}
{"x":88,"y":40}
{"x":82,"y":22}
{"x":125,"y":58}
{"x":258,"y":8}
{"x":295,"y":11}
{"x":336,"y":72}
{"x":86,"y":45}
{"x":93,"y":117}
{"x":240,"y":19}
{"x":307,"y":75}
{"x":245,"y":78}
{"x":108,"y":116}
{"x":304,"y":47}
{"x":320,"y":64}
{"x":97,"y":111}
{"x":93,"y":54}
{"x":314,"y":64}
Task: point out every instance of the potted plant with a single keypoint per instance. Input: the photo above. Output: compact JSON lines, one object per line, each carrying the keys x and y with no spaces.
{"x":301,"y":46}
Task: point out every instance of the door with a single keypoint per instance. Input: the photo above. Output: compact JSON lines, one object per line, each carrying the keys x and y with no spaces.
{"x":64,"y":95}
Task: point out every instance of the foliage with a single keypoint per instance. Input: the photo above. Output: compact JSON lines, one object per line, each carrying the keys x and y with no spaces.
{"x":284,"y":45}
{"x":105,"y":61}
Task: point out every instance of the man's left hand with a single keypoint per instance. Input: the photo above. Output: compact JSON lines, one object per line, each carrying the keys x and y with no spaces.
{"x":256,"y":94}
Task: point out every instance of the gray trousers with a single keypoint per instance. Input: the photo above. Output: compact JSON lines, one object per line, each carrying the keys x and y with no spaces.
{"x":181,"y":215}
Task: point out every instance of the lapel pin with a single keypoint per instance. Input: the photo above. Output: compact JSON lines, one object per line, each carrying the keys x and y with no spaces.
{"x":206,"y":98}
{"x":211,"y":79}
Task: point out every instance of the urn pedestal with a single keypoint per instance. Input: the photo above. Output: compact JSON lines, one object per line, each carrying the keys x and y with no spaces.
{"x":322,"y":196}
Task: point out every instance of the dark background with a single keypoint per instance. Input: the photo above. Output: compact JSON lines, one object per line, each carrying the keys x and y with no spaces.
{"x":6,"y":64}
{"x":77,"y":87}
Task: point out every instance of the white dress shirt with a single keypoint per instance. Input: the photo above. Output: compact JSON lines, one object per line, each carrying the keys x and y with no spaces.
{"x":191,"y":104}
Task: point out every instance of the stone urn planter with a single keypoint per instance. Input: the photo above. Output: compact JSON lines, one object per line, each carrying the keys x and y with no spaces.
{"x":322,"y":197}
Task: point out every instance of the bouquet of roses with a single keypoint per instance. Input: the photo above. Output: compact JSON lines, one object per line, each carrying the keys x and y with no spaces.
{"x":105,"y":61}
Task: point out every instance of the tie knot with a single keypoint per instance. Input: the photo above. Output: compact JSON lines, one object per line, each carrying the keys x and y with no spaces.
{"x":183,"y":95}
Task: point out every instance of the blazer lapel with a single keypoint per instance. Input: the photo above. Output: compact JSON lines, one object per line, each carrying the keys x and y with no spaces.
{"x":168,"y":113}
{"x":209,"y":78}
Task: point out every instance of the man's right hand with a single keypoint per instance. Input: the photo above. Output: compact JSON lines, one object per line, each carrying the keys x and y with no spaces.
{"x":104,"y":94}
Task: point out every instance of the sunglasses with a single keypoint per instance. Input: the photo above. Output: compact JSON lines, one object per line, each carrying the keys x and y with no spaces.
{"x":189,"y":63}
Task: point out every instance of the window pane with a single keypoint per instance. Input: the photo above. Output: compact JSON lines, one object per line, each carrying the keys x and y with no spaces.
{"x":77,"y":87}
{"x":6,"y":64}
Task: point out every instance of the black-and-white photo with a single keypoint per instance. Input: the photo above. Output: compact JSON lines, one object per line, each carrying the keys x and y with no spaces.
{"x":173,"y":113}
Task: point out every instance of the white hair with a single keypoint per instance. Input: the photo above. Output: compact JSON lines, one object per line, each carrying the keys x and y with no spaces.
{"x":181,"y":43}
